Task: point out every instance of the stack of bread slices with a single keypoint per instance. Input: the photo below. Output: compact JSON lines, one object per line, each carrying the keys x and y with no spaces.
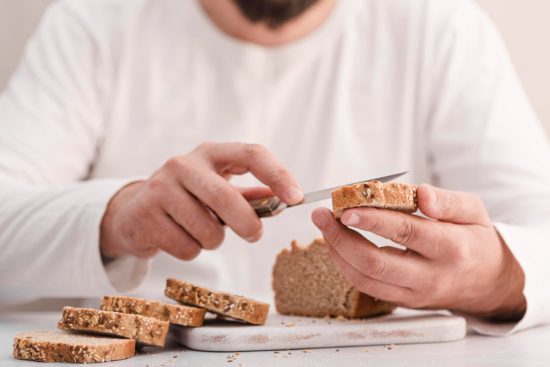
{"x":90,"y":335}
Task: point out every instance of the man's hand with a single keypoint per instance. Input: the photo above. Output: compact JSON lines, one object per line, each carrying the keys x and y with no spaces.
{"x":178,"y":209}
{"x":454,"y":260}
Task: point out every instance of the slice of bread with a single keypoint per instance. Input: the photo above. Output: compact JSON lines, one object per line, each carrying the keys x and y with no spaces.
{"x":307,"y":283}
{"x":145,"y":330}
{"x":222,"y":303}
{"x":375,"y":194}
{"x":176,"y":314}
{"x":59,"y":346}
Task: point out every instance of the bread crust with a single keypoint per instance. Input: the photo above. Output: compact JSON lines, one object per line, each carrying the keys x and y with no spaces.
{"x":59,"y":346}
{"x":176,"y":314}
{"x":222,"y":303}
{"x":375,"y":194}
{"x":144,"y":330}
{"x":363,"y":306}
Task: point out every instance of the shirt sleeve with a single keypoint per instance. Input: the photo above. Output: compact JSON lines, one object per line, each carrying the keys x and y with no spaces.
{"x":51,"y":125}
{"x":484,"y":137}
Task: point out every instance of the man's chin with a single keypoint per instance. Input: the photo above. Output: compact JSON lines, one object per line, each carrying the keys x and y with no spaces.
{"x":273,"y":13}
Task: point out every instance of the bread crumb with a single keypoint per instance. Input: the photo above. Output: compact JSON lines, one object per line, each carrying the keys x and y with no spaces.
{"x":232,"y":357}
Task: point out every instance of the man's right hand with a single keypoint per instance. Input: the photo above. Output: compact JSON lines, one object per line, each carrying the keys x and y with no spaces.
{"x":178,"y":209}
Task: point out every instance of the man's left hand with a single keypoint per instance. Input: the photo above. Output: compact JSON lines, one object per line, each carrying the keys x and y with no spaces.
{"x":454,"y":258}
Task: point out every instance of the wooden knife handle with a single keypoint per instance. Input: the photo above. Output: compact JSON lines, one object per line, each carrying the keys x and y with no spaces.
{"x":266,"y":207}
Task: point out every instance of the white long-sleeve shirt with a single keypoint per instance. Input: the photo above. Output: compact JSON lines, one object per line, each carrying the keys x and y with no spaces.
{"x":110,"y":89}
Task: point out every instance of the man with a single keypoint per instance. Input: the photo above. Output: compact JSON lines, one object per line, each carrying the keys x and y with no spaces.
{"x":125,"y":120}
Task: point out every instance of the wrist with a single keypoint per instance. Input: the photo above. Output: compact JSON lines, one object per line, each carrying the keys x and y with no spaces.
{"x":510,"y":302}
{"x":514,"y":304}
{"x":107,"y":240}
{"x":497,"y":293}
{"x":110,"y":241}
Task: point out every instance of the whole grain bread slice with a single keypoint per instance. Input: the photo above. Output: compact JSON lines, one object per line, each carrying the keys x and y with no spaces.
{"x":307,"y":283}
{"x":145,"y":330}
{"x":375,"y":194}
{"x":176,"y":314}
{"x":59,"y":346}
{"x":222,"y":303}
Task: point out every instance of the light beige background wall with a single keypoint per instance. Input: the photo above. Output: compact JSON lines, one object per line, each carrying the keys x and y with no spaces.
{"x":524,"y":24}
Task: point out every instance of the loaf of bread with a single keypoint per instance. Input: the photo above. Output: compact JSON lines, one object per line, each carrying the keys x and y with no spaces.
{"x":221,"y":303}
{"x":145,"y":330}
{"x":176,"y":314}
{"x":59,"y":346}
{"x":307,"y":283}
{"x":391,"y":195}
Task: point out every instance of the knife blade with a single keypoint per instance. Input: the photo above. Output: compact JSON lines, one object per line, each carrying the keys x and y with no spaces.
{"x":271,"y":206}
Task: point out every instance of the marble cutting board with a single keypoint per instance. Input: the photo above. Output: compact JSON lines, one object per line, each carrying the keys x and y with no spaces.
{"x":291,"y":332}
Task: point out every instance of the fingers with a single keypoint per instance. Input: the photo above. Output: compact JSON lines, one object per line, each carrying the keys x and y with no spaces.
{"x":452,"y":206}
{"x":390,"y":267}
{"x":373,"y":287}
{"x":428,"y":238}
{"x":145,"y":251}
{"x":254,"y":193}
{"x":171,"y":238}
{"x":238,"y":158}
{"x":199,"y":222}
{"x":177,"y":242}
{"x":218,"y":195}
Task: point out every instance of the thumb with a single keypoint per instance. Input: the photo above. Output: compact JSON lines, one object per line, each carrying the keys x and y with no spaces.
{"x":452,"y":206}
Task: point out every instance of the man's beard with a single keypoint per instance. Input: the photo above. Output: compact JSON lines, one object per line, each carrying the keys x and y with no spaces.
{"x":273,"y":13}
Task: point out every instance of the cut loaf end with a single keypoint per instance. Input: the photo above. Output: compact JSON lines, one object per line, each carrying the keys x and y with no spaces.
{"x":307,"y":283}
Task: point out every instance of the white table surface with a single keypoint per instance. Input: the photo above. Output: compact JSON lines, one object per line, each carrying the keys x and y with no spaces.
{"x":528,"y":348}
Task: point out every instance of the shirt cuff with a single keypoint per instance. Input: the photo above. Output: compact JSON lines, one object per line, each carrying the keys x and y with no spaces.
{"x":528,"y":247}
{"x":121,"y":274}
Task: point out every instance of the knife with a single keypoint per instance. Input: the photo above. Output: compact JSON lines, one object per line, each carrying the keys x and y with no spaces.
{"x":271,"y":206}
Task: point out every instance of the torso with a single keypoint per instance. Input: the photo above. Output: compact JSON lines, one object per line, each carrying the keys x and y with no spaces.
{"x":339,"y":106}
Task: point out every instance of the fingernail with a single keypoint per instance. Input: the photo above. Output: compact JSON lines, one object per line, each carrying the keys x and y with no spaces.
{"x":256,"y":237}
{"x":352,"y":220}
{"x":320,"y":218}
{"x":295,"y":195}
{"x":432,"y":197}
